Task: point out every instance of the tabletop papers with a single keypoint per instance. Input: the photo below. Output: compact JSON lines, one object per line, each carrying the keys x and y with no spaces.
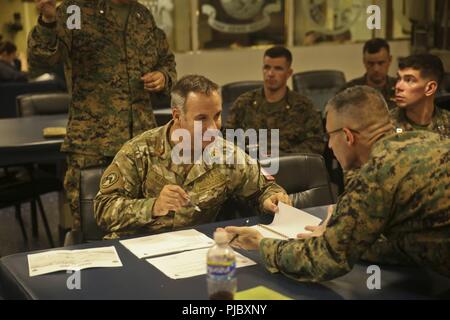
{"x":287,"y":223}
{"x":165,"y":243}
{"x":190,"y":263}
{"x":59,"y":260}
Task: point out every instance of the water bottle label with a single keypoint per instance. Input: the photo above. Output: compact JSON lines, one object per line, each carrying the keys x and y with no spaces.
{"x":221,"y":269}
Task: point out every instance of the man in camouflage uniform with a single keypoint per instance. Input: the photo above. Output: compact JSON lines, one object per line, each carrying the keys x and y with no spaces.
{"x":419,"y":79}
{"x":396,"y":210}
{"x":377,"y":60}
{"x":147,"y":189}
{"x":276,"y":107}
{"x":112,"y":64}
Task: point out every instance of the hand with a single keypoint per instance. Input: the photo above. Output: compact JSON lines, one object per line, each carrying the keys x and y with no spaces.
{"x":271,"y":203}
{"x":248,"y":238}
{"x":154,"y":81}
{"x":47,"y":8}
{"x":317,"y":231}
{"x":171,"y":198}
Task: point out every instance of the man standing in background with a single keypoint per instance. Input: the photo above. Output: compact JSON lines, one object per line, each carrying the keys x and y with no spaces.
{"x":112,"y":64}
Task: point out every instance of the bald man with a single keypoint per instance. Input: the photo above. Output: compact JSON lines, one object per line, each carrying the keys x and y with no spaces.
{"x":395,"y":210}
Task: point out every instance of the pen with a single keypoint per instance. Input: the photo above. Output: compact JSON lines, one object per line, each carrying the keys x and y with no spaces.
{"x":196,"y":207}
{"x":236,"y":235}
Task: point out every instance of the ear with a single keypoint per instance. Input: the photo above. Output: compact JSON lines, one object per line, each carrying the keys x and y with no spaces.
{"x":349,"y":137}
{"x":290,"y":72}
{"x":176,"y":115}
{"x":431,"y":88}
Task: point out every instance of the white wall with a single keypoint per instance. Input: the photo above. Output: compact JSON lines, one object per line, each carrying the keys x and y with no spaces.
{"x":224,"y":66}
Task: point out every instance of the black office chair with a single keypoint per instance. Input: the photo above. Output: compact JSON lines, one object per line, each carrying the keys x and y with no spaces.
{"x":320,"y":86}
{"x":443,"y":101}
{"x":232,"y":91}
{"x":43,"y":178}
{"x":26,"y":186}
{"x":42,"y":104}
{"x":89,"y":187}
{"x":10,"y":91}
{"x":304,"y":177}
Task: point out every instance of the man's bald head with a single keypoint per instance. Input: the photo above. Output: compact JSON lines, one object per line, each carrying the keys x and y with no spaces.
{"x":361,"y":108}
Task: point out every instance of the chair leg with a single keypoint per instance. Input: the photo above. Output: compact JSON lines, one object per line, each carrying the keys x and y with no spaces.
{"x":44,"y":219}
{"x":20,"y":220}
{"x":34,"y":222}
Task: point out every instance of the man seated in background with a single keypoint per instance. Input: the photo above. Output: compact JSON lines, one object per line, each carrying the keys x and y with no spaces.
{"x":276,"y":107}
{"x":377,"y":60}
{"x":148,"y":189}
{"x":8,"y":68}
{"x":419,"y":77}
{"x":395,"y":210}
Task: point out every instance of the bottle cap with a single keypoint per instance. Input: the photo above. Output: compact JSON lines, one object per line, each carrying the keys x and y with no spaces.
{"x":221,"y":237}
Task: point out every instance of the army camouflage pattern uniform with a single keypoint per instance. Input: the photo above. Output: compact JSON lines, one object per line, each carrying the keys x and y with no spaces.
{"x":388,"y":91}
{"x":300,"y":124}
{"x":138,"y":173}
{"x":396,"y":210}
{"x":103,"y":69}
{"x":440,"y":122}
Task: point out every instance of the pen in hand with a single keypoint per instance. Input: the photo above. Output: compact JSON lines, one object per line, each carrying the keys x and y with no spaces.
{"x":196,"y":207}
{"x":236,"y":235}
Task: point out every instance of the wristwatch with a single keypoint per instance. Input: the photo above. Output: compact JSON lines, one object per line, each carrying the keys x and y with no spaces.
{"x":46,"y":24}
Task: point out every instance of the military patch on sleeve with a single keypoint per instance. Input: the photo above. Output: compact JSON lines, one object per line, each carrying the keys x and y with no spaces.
{"x":111,"y":179}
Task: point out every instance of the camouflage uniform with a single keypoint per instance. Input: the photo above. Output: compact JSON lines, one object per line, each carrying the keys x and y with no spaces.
{"x":396,"y":210}
{"x":103,"y":66}
{"x":388,"y":91}
{"x":138,"y":173}
{"x":440,"y":122}
{"x":300,"y":124}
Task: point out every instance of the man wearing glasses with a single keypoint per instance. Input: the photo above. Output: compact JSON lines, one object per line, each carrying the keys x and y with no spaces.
{"x":395,"y":210}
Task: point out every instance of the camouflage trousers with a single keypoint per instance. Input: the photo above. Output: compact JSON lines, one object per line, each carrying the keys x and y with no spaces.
{"x":75,"y":163}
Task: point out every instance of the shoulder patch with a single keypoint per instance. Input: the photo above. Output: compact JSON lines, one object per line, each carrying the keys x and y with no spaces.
{"x":112,"y":179}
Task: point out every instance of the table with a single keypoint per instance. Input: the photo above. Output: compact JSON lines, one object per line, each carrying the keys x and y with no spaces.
{"x":137,"y":279}
{"x":22,"y":141}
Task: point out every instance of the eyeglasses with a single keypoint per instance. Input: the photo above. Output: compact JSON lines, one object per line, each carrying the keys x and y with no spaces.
{"x":327,"y":135}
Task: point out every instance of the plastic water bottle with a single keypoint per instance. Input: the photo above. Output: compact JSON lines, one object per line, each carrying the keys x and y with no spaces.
{"x":221,"y":269}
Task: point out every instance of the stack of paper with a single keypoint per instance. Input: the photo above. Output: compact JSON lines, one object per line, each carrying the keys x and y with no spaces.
{"x":165,"y":243}
{"x":194,"y":263}
{"x":59,"y":260}
{"x":287,"y":223}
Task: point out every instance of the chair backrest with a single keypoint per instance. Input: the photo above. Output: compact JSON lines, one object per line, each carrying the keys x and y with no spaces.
{"x":443,"y":101}
{"x":42,"y":104}
{"x":445,"y":84}
{"x":9,"y":92}
{"x":305,"y":178}
{"x":320,"y":86}
{"x":232,"y":91}
{"x":89,"y":187}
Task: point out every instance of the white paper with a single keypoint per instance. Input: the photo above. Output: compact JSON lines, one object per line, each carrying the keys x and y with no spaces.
{"x":190,"y":264}
{"x":165,"y":243}
{"x":288,"y":221}
{"x":59,"y":260}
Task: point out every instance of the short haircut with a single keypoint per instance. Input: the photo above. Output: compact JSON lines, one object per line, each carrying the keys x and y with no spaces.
{"x":7,"y":47}
{"x":430,"y":66}
{"x":375,"y":45}
{"x":191,"y":83}
{"x":279,"y":52}
{"x":362,"y":106}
